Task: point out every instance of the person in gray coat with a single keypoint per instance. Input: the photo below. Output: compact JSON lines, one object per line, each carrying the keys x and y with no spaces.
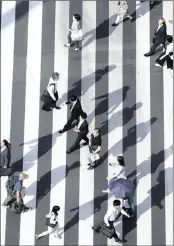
{"x":5,"y":154}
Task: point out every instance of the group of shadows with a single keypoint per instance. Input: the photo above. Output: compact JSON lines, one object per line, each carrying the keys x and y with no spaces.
{"x":44,"y":186}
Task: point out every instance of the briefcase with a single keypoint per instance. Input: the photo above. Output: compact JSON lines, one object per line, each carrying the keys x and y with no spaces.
{"x":5,"y":171}
{"x":106,"y":231}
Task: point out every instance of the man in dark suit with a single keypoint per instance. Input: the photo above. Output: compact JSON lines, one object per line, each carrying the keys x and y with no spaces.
{"x":82,"y":129}
{"x":159,"y":37}
{"x":76,"y":111}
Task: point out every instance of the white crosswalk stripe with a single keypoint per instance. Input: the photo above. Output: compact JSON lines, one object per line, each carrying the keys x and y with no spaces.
{"x":115,"y":119}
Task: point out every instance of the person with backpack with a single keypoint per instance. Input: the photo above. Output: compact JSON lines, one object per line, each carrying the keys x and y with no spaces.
{"x":5,"y":154}
{"x":16,"y":192}
{"x":50,"y":95}
{"x":52,"y":223}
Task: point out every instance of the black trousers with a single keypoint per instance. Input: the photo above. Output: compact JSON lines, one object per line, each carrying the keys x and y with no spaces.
{"x":111,"y":223}
{"x":79,"y":138}
{"x":69,"y":123}
{"x":50,"y":103}
{"x":77,"y":43}
{"x":165,"y":58}
{"x":153,"y":48}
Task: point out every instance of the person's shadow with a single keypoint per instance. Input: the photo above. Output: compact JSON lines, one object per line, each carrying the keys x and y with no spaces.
{"x":127,"y":114}
{"x":142,"y":10}
{"x":43,"y":185}
{"x":155,"y":159}
{"x":43,"y":147}
{"x":78,"y":90}
{"x":102,"y":105}
{"x":155,"y":201}
{"x":86,"y":211}
{"x":100,"y":32}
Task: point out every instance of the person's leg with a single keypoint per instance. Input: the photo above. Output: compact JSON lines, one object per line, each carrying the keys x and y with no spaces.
{"x":111,"y":223}
{"x":68,"y":124}
{"x":56,"y":231}
{"x":9,"y":200}
{"x":127,"y":15}
{"x":76,"y":143}
{"x":161,"y":60}
{"x":46,"y":106}
{"x":69,"y":40}
{"x":43,"y":234}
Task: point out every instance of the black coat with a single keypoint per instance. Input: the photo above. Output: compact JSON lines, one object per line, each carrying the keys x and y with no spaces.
{"x":83,"y":128}
{"x":160,"y":35}
{"x":77,"y":110}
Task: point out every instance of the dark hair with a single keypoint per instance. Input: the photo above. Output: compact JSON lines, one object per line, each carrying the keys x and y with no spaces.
{"x":55,"y":210}
{"x":54,"y":75}
{"x":77,"y":17}
{"x":72,"y":98}
{"x":169,"y":39}
{"x":6,"y":143}
{"x":120,"y":160}
{"x":116,"y":203}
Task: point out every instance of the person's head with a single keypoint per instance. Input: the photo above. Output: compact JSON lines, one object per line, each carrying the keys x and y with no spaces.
{"x":116,"y":203}
{"x":55,"y":209}
{"x":169,"y":39}
{"x":118,"y":161}
{"x":5,"y":143}
{"x":76,"y":17}
{"x":23,"y":176}
{"x":161,"y":21}
{"x":55,"y":76}
{"x":96,"y":132}
{"x":72,"y":98}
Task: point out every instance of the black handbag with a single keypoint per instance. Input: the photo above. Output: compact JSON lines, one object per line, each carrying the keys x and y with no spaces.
{"x":5,"y":171}
{"x":106,"y":231}
{"x":47,"y":223}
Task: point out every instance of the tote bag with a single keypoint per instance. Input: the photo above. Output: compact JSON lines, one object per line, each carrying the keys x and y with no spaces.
{"x":77,"y":35}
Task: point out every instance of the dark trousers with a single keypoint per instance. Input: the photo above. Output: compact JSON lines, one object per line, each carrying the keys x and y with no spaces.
{"x":50,"y":103}
{"x":77,"y":43}
{"x":79,"y":138}
{"x":111,"y":223}
{"x":68,"y":124}
{"x":161,"y":59}
{"x":154,"y":46}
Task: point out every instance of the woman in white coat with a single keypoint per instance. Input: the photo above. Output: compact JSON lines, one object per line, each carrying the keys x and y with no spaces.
{"x":52,"y":223}
{"x":75,"y":33}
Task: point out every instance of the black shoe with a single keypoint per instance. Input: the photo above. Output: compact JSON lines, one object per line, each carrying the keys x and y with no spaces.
{"x":118,"y":240}
{"x":68,"y":152}
{"x":56,"y":107}
{"x":89,"y":164}
{"x":86,"y":143}
{"x":61,"y":131}
{"x":147,"y":54}
{"x":47,"y":109}
{"x":91,"y":167}
{"x":114,"y":24}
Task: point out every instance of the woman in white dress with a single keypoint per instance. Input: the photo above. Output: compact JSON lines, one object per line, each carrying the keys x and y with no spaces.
{"x":52,"y":223}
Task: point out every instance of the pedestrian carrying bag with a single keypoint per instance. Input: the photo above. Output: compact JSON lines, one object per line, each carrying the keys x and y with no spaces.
{"x":106,"y":231}
{"x":77,"y":35}
{"x":47,"y":223}
{"x":10,"y":184}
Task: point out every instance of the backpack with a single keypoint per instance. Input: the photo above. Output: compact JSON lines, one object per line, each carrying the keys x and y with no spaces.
{"x":16,"y":208}
{"x":10,"y":184}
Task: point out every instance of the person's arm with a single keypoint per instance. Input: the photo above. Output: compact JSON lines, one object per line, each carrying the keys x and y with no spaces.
{"x":7,"y":160}
{"x":18,"y":196}
{"x":50,"y":90}
{"x":106,"y":218}
{"x":124,"y":212}
{"x":97,"y":150}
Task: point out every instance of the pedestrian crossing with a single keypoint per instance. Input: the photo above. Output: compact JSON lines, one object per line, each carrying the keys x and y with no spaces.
{"x":122,"y":93}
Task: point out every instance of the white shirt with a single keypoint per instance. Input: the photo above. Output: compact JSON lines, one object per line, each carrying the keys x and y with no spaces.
{"x":73,"y":105}
{"x":52,"y":89}
{"x":112,"y":213}
{"x":53,"y":218}
{"x":80,"y":123}
{"x":119,"y":172}
{"x":75,"y":26}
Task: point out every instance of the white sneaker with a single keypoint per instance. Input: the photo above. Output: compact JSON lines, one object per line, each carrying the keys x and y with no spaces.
{"x":157,"y":65}
{"x":76,"y":49}
{"x":67,"y":45}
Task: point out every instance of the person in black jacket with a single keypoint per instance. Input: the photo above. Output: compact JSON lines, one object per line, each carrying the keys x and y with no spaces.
{"x":5,"y":153}
{"x":159,"y":37}
{"x":76,"y":111}
{"x":82,"y":129}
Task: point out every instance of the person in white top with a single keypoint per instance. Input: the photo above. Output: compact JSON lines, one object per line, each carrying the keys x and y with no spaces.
{"x":52,"y":93}
{"x":122,"y":13}
{"x":75,"y":28}
{"x":52,"y":223}
{"x":119,"y":172}
{"x":166,"y":54}
{"x":112,"y":215}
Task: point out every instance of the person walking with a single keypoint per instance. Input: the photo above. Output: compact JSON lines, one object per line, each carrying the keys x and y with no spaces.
{"x":52,"y":223}
{"x":75,"y":33}
{"x":50,"y":95}
{"x":112,"y":215}
{"x":82,"y":130}
{"x":159,"y":37}
{"x":76,"y":111}
{"x":94,"y":148}
{"x":16,"y":191}
{"x":119,"y":166}
{"x":166,"y":55}
{"x":5,"y":154}
{"x":122,"y":13}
